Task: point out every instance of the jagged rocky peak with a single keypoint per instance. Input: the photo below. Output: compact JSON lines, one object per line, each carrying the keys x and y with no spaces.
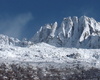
{"x":73,"y":32}
{"x":45,"y":32}
{"x":53,"y":29}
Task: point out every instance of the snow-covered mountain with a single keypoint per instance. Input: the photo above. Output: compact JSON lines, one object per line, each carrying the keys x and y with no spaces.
{"x":72,"y":36}
{"x":83,"y":32}
{"x":5,"y":40}
{"x":54,"y":53}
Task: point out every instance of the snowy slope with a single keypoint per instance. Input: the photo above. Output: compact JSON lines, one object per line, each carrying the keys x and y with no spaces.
{"x":83,"y":32}
{"x":45,"y":53}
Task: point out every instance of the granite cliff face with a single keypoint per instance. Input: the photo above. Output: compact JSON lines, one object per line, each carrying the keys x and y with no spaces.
{"x":83,"y":32}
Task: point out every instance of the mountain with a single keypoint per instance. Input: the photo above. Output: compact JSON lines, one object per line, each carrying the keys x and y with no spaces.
{"x":53,"y":43}
{"x":83,"y":32}
{"x":5,"y":40}
{"x":54,"y":53}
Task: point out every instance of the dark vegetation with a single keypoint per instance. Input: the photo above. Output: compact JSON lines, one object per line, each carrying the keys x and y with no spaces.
{"x":17,"y":72}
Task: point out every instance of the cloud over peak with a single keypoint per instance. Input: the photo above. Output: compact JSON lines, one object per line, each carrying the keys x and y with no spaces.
{"x":13,"y":26}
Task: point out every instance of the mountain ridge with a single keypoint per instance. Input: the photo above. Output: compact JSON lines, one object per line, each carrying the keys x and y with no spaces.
{"x":6,"y":40}
{"x":74,"y":32}
{"x":83,"y":32}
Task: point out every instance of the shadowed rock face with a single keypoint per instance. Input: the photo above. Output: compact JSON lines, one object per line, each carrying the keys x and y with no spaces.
{"x":17,"y":72}
{"x":81,"y":32}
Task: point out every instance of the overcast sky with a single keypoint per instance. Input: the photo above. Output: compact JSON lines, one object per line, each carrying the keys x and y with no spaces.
{"x":22,"y":18}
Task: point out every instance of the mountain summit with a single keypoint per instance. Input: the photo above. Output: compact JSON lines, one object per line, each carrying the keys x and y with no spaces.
{"x":83,"y":32}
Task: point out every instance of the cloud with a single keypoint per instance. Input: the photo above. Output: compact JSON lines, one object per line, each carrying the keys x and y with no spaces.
{"x":13,"y":26}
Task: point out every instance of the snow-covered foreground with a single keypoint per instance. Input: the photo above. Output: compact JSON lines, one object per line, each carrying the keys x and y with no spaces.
{"x":45,"y":53}
{"x":45,"y":62}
